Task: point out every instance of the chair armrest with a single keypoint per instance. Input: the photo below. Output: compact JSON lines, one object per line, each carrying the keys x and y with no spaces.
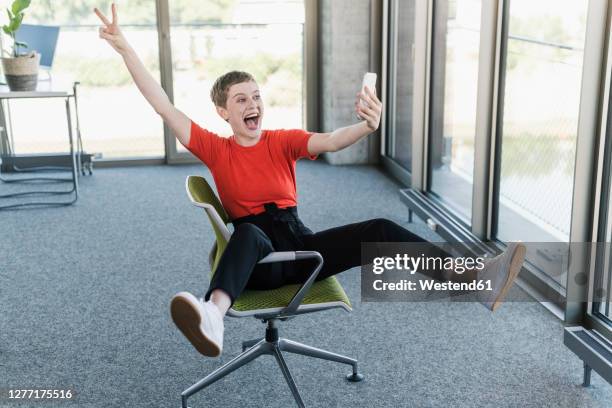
{"x":279,"y":257}
{"x":303,"y":290}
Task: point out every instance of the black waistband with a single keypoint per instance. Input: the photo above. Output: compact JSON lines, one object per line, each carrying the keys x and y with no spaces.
{"x":271,"y":211}
{"x":273,"y":216}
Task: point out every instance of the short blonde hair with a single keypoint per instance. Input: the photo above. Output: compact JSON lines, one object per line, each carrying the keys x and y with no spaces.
{"x":218,"y":93}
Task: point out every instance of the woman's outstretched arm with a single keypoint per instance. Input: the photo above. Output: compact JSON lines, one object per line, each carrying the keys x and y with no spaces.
{"x":148,"y":86}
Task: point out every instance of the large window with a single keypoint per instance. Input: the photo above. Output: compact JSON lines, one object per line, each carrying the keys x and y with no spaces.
{"x":401,"y":41}
{"x":603,"y":282}
{"x":602,"y":279}
{"x":115,"y":119}
{"x":539,"y":123}
{"x":541,"y":97}
{"x":456,"y":39}
{"x":264,"y":38}
{"x":499,"y":91}
{"x":208,"y":38}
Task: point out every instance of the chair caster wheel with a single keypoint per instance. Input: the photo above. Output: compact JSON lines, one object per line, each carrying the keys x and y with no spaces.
{"x":355,"y":377}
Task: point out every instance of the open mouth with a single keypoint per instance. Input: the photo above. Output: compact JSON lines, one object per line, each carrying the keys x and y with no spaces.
{"x":252,"y":121}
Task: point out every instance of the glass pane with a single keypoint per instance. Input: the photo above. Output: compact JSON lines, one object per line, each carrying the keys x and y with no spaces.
{"x":602,"y":288}
{"x":603,"y":271}
{"x":540,"y":116}
{"x":106,"y":86}
{"x":400,"y":146}
{"x":453,"y":116}
{"x":263,"y":39}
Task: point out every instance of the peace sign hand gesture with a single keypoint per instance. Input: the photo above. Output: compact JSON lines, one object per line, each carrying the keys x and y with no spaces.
{"x":111,"y":32}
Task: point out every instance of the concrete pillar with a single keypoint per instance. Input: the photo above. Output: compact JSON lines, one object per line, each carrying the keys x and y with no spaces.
{"x":344,"y":57}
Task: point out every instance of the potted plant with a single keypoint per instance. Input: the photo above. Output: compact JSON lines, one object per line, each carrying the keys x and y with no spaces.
{"x":21,"y":68}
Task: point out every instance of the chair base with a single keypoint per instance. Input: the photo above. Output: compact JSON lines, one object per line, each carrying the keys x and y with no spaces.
{"x":354,"y":377}
{"x":273,"y":345}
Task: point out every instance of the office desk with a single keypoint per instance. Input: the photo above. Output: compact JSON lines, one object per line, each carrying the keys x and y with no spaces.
{"x":7,"y":153}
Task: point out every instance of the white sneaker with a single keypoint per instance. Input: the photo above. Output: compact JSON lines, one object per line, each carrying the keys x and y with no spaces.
{"x":201,"y":322}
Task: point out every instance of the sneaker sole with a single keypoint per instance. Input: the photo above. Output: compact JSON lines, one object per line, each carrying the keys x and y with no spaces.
{"x":518,"y":257}
{"x":186,"y":317}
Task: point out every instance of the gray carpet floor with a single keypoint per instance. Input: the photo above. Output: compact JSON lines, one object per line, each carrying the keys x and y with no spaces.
{"x":84,"y":301}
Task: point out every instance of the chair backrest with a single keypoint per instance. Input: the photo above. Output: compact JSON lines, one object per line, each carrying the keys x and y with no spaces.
{"x":202,"y":195}
{"x":40,"y":38}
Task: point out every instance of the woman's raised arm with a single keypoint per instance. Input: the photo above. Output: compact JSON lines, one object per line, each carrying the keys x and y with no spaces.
{"x":148,"y":86}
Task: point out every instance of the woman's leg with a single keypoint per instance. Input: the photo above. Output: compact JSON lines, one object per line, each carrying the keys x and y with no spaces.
{"x":202,"y":322}
{"x":341,"y":246}
{"x":238,"y":268}
{"x":341,"y":250}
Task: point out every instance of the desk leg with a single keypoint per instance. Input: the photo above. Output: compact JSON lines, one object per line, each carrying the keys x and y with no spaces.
{"x":75,"y":176}
{"x":5,"y":148}
{"x":80,"y":149}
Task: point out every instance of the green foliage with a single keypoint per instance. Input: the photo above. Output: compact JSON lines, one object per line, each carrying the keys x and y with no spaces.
{"x":130,"y":11}
{"x":15,"y":16}
{"x":281,"y":75}
{"x":283,"y":89}
{"x":209,"y":11}
{"x":261,"y":66}
{"x":81,"y":11}
{"x":548,"y":33}
{"x":532,"y":155}
{"x":98,"y":72}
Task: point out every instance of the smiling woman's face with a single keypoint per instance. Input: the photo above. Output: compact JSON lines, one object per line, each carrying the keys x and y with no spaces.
{"x":244,"y":109}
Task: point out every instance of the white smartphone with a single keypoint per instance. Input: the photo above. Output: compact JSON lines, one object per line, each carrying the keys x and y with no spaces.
{"x":369,"y":80}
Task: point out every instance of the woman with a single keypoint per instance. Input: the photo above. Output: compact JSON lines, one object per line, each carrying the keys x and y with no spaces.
{"x":254,"y":171}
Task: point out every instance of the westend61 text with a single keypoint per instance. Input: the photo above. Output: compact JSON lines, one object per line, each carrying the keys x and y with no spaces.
{"x":428,"y":285}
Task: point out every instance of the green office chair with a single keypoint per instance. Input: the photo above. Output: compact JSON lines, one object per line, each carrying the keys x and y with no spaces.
{"x":269,"y":306}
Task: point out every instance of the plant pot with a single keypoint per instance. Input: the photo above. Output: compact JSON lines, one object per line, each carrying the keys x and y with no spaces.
{"x":21,"y":72}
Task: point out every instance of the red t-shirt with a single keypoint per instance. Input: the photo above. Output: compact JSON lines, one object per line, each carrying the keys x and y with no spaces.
{"x":248,"y":177}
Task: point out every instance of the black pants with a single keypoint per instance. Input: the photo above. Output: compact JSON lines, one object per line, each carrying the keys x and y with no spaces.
{"x":340,"y":248}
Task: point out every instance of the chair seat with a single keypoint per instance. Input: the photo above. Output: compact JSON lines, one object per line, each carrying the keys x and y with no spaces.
{"x":323,"y":294}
